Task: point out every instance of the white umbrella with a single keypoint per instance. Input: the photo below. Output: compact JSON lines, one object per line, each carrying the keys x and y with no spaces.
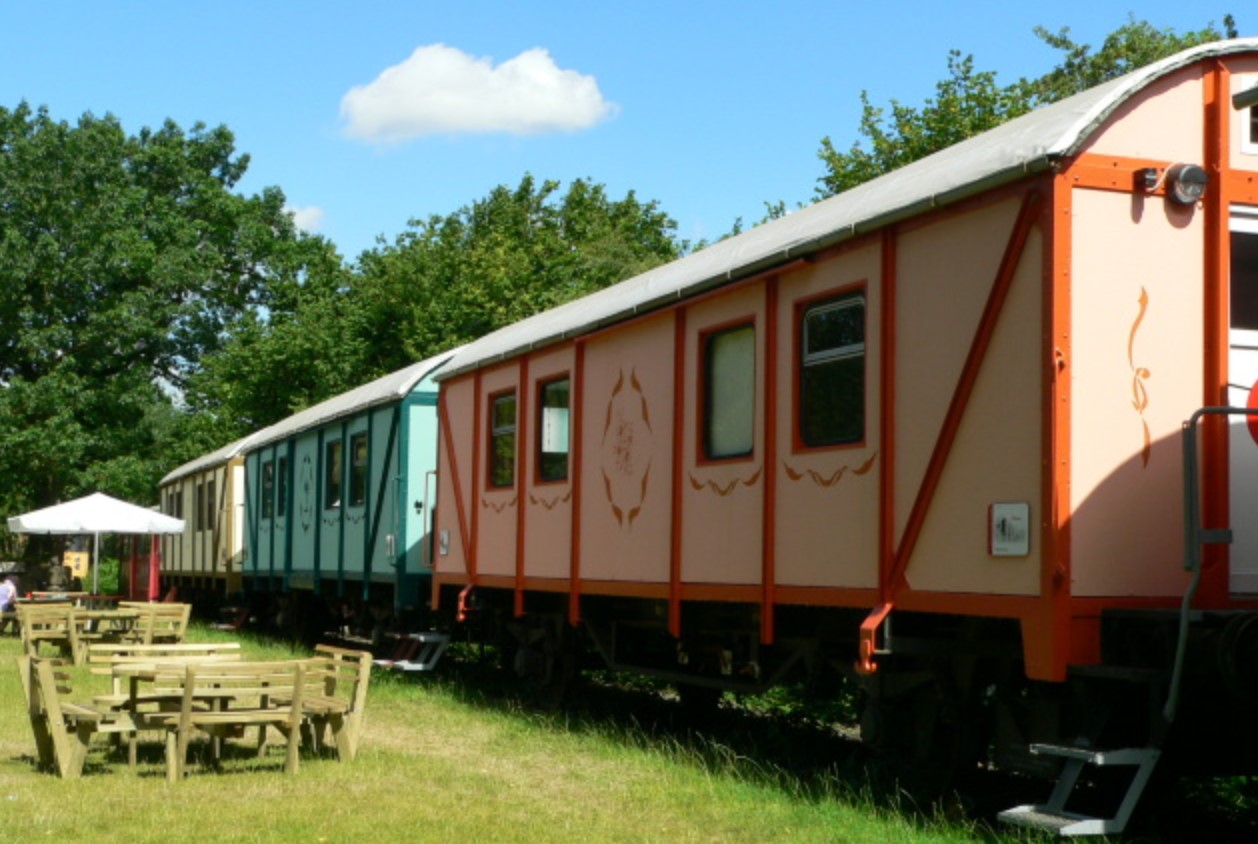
{"x":95,"y":514}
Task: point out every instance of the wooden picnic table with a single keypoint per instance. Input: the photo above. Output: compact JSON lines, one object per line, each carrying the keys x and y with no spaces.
{"x":221,"y":699}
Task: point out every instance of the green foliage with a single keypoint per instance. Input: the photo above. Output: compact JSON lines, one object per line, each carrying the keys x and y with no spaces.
{"x":123,"y":261}
{"x":445,"y":281}
{"x":449,"y":280}
{"x":968,"y":101}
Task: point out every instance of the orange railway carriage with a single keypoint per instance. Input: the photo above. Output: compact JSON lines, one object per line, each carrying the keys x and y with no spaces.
{"x":931,"y":426}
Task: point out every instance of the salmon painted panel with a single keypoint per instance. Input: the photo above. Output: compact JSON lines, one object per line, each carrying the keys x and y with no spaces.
{"x":723,"y":496}
{"x":1137,"y":325}
{"x":627,"y":453}
{"x":457,"y":406}
{"x":548,"y":502}
{"x":498,"y":496}
{"x":826,"y":507}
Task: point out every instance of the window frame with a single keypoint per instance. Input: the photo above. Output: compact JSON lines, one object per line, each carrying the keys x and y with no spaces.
{"x":1248,"y":128}
{"x":266,"y":483}
{"x":540,"y":476}
{"x":330,"y":501}
{"x":705,"y":383}
{"x":496,"y":432}
{"x":359,"y":472}
{"x":856,"y":294}
{"x":281,"y":486}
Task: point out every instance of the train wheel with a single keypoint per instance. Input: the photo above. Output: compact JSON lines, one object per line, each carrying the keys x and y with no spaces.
{"x":924,"y":734}
{"x":541,"y":652}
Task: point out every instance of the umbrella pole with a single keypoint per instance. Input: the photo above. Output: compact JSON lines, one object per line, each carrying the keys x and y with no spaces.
{"x":95,"y":563}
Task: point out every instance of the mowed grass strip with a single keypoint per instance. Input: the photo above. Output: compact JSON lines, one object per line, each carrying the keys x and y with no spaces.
{"x":432,"y":767}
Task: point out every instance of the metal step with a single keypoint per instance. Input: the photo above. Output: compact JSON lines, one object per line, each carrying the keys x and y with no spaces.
{"x":1054,"y":816}
{"x":1092,"y":756}
{"x":1065,"y":824}
{"x":428,"y":649}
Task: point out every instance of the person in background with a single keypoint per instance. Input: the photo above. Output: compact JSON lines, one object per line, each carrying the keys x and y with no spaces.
{"x":8,"y":603}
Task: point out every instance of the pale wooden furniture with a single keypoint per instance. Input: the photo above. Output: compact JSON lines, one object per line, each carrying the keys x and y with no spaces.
{"x":223,"y":699}
{"x":158,"y":622}
{"x":48,"y":623}
{"x":335,"y":699}
{"x":63,"y":729}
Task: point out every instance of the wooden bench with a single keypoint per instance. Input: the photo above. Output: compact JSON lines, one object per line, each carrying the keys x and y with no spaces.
{"x":158,"y":622}
{"x":63,"y":729}
{"x":104,"y":626}
{"x":46,"y":623}
{"x":242,"y":694}
{"x":335,"y":699}
{"x":104,"y":658}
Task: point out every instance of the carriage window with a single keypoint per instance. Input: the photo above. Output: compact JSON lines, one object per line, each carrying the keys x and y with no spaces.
{"x":268,"y":489}
{"x":358,"y":470}
{"x":729,"y":392}
{"x":553,"y":442}
{"x":211,"y":505}
{"x":281,"y":486}
{"x":198,"y":502}
{"x":832,"y":372}
{"x":332,"y":475}
{"x":502,"y":441}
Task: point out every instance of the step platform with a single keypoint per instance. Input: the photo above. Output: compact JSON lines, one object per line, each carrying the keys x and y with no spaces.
{"x":1053,"y":815}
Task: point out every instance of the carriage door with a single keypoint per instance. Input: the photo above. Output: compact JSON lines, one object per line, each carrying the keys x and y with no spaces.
{"x":1243,"y":392}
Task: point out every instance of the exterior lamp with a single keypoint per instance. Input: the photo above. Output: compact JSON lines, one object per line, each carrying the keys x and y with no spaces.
{"x":1186,"y":183}
{"x":1245,"y":99}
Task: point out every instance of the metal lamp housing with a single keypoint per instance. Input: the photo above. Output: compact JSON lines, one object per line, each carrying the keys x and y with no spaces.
{"x":1187,"y":183}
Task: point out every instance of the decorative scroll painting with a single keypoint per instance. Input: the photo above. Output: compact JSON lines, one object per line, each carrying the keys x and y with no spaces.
{"x":627,"y":446}
{"x":1140,"y":374}
{"x":827,"y":481}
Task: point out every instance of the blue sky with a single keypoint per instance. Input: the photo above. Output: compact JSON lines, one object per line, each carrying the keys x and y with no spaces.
{"x":711,"y":108}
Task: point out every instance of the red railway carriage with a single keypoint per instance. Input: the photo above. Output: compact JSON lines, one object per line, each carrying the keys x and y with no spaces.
{"x":927,"y":432}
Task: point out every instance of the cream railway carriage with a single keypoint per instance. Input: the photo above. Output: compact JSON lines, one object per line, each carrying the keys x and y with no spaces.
{"x":208,"y":494}
{"x":927,"y":431}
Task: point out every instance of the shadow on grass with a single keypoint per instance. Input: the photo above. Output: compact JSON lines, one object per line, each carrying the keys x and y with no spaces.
{"x":812,"y":759}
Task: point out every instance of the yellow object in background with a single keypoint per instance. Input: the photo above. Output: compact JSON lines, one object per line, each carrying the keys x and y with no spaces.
{"x":77,"y":562}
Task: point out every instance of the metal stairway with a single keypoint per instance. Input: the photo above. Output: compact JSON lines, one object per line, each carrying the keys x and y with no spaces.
{"x":417,"y":652}
{"x":1053,"y":815}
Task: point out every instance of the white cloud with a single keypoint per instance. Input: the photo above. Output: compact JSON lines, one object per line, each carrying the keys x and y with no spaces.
{"x":442,"y":90}
{"x":307,"y":218}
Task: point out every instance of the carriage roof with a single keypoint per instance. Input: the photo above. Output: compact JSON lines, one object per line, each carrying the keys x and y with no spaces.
{"x":1026,"y":145}
{"x":389,"y":388}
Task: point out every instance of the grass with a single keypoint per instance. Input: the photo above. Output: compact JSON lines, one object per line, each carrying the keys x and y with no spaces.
{"x":441,"y":761}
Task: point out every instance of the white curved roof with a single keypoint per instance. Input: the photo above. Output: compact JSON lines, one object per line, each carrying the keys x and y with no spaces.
{"x":388,"y":388}
{"x":1028,"y":144}
{"x":392,"y":387}
{"x":207,"y":461}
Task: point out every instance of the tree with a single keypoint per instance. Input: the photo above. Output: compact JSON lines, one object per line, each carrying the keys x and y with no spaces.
{"x":123,"y":260}
{"x":444,"y":281}
{"x":968,"y":102}
{"x":448,"y":280}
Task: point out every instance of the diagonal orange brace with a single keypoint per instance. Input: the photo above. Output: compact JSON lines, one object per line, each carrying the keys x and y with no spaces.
{"x":869,"y":638}
{"x":464,"y":595}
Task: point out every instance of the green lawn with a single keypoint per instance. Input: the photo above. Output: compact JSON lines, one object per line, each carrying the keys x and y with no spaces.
{"x":437,"y":764}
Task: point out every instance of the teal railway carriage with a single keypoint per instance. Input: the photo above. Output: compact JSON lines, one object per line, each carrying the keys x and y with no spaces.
{"x":339,"y":497}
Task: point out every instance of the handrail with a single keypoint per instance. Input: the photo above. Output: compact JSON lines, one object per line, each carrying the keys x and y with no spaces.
{"x":1195,"y":536}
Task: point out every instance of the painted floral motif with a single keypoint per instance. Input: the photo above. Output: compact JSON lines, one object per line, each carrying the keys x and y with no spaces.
{"x":552,"y":503}
{"x":626,"y":449}
{"x":499,"y":507}
{"x":832,"y":479}
{"x":698,"y":485}
{"x":1140,"y":374}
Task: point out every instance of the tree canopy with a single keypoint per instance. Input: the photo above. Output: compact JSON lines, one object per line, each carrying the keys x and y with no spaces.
{"x":123,"y":261}
{"x":969,"y":101}
{"x":445,"y":281}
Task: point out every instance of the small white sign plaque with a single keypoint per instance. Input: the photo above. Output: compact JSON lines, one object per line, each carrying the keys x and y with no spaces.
{"x":1009,"y":529}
